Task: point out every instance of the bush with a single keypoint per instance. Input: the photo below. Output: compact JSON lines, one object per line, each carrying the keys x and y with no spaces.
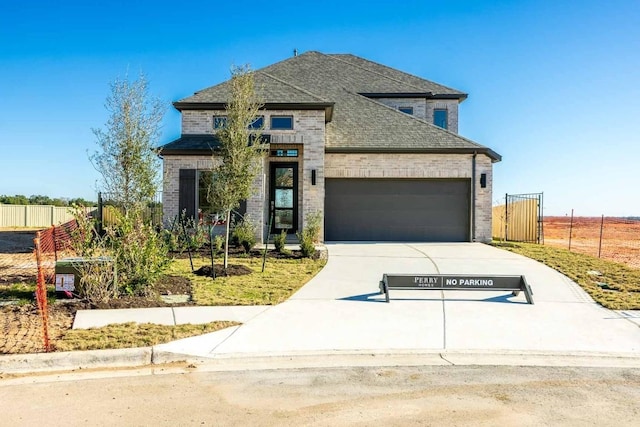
{"x":218,"y":242}
{"x":184,"y":233}
{"x":140,"y":253}
{"x":310,"y":235}
{"x":314,"y":221}
{"x":97,"y":279}
{"x":245,"y":234}
{"x":279,"y":241}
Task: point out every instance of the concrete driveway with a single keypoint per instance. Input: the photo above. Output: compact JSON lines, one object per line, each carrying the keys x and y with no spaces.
{"x":340,"y":310}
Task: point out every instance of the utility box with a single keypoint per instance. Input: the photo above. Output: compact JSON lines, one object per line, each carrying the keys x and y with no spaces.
{"x":69,"y":272}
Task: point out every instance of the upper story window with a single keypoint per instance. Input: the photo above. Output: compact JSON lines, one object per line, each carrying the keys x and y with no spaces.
{"x":440,"y":118}
{"x":219,"y":122}
{"x":406,"y":110}
{"x":281,"y":122}
{"x":258,"y":123}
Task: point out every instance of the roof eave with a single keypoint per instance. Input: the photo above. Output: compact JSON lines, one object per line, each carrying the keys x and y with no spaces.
{"x":326,"y":106}
{"x":495,"y":157}
{"x":426,"y":95}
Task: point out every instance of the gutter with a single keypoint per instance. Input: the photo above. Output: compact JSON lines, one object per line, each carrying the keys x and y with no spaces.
{"x":495,"y":157}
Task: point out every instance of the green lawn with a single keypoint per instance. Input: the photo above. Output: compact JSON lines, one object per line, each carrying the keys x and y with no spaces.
{"x":130,"y":335}
{"x":281,"y":278}
{"x":617,"y":288}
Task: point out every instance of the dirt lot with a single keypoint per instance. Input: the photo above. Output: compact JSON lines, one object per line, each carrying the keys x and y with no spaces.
{"x":620,"y":238}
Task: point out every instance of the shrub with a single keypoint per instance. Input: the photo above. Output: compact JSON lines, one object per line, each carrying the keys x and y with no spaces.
{"x":218,"y":242}
{"x":279,"y":241}
{"x":245,"y":234}
{"x":310,"y":235}
{"x":97,"y":279}
{"x":314,"y":221}
{"x":140,"y":253}
{"x":184,"y":232}
{"x":97,"y":282}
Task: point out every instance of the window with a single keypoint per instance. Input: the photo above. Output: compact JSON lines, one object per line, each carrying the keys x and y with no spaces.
{"x":219,"y":122}
{"x":281,"y":122}
{"x":204,"y":202}
{"x":440,"y":118}
{"x":258,"y":123}
{"x":406,"y":110}
{"x":284,"y":153}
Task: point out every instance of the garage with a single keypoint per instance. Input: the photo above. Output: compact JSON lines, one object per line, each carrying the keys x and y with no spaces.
{"x":410,"y":210}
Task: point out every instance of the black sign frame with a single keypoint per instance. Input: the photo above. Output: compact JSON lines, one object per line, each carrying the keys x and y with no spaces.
{"x":455,"y":282}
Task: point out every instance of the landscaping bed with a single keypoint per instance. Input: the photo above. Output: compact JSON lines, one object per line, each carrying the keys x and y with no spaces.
{"x":245,"y":284}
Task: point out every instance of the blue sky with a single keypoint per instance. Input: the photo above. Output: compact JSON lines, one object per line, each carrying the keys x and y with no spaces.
{"x":553,"y":85}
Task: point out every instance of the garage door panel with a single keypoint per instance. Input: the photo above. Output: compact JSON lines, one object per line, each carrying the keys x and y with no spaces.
{"x":397,"y":209}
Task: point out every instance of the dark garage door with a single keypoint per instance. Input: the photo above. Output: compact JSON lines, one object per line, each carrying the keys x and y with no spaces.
{"x":418,"y":210}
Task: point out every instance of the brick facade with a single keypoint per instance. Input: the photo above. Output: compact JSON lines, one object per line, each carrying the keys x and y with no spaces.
{"x":308,"y":136}
{"x":423,"y":108}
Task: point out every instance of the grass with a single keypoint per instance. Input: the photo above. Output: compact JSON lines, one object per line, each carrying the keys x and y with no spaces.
{"x":618,"y":287}
{"x":23,"y":293}
{"x":281,"y":278}
{"x":130,"y":335}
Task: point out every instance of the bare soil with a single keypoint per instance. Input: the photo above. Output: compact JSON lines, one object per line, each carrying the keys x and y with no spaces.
{"x":21,"y":325}
{"x":366,"y":396}
{"x":620,"y":237}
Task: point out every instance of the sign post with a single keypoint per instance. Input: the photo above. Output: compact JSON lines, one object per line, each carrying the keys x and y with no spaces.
{"x":458,"y":282}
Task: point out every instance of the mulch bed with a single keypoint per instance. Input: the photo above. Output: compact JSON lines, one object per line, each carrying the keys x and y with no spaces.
{"x":232,"y":270}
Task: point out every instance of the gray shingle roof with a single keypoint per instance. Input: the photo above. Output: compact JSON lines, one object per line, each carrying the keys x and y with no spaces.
{"x":191,"y":143}
{"x":419,"y":83}
{"x":269,"y":89}
{"x":358,"y":123}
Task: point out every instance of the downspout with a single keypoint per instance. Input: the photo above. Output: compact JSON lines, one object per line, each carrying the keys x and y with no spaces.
{"x":473,"y":196}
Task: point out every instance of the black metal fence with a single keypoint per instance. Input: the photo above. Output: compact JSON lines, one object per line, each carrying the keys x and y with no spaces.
{"x":520,"y":218}
{"x":107,"y":208}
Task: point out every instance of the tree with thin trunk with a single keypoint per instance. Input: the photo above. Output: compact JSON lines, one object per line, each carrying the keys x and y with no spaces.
{"x":126,"y":158}
{"x":239,"y":159}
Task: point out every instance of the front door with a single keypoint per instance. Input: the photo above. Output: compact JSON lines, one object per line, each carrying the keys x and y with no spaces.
{"x":284,"y":196}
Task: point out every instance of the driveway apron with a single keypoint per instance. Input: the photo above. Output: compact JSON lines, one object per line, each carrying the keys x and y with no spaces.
{"x":341,"y":310}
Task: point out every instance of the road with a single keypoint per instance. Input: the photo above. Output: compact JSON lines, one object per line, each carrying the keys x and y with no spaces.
{"x":389,"y":396}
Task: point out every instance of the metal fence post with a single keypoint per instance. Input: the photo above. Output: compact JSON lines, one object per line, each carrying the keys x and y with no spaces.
{"x":570,"y":229}
{"x":600,"y":242}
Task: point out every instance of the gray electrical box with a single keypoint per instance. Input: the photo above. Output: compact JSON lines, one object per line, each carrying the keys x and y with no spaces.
{"x":69,"y":271}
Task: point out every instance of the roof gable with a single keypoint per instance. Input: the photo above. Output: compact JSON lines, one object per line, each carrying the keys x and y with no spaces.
{"x":356,"y":122}
{"x":423,"y":85}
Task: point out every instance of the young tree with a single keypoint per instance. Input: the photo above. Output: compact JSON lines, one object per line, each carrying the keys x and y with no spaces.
{"x":126,"y":158}
{"x":238,"y":162}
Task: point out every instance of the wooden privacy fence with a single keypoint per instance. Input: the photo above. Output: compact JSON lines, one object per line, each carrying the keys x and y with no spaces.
{"x":520,"y":219}
{"x":35,"y":215}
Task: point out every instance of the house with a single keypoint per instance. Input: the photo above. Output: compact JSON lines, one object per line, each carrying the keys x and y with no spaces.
{"x":374,"y":150}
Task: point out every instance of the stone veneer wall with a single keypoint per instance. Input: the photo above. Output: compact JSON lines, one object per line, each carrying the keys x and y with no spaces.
{"x":420,"y":166}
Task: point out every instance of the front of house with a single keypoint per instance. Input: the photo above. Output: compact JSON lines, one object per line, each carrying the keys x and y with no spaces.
{"x":372,"y":149}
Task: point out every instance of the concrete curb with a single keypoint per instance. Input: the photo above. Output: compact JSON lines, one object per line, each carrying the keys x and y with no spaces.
{"x":74,"y":360}
{"x":363,"y":358}
{"x":147,"y":356}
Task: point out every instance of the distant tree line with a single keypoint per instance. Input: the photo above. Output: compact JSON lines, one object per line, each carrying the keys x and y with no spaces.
{"x":19,"y":199}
